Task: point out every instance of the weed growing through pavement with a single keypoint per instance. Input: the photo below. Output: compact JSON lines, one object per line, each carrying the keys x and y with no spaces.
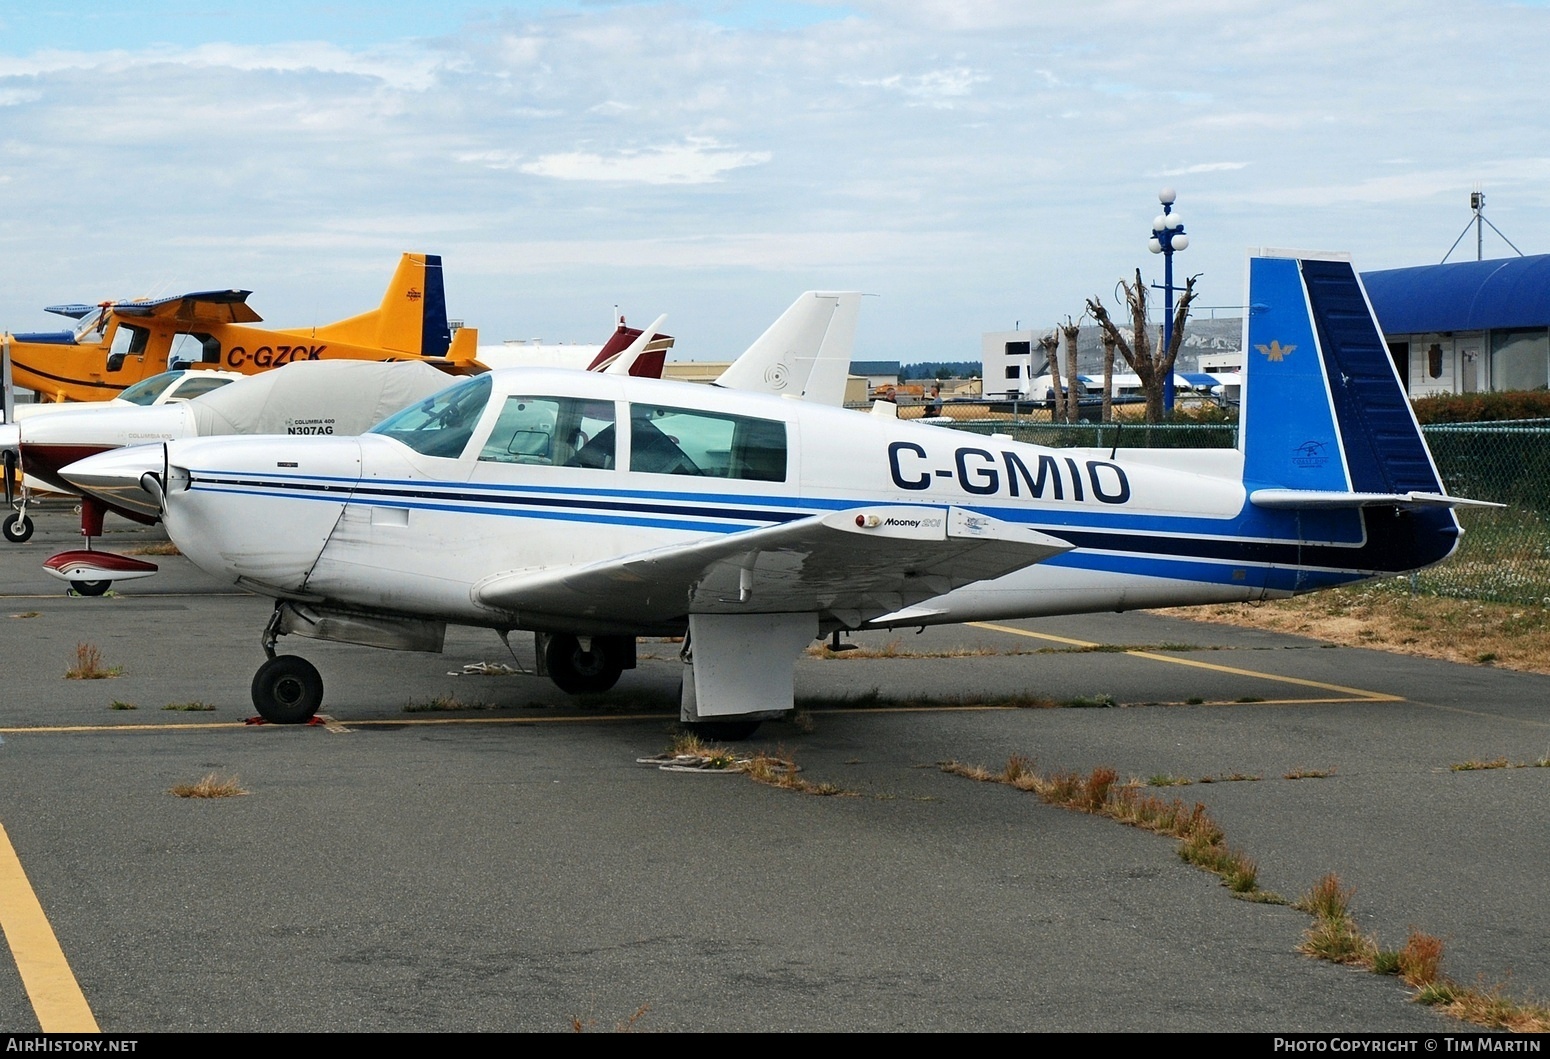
{"x":29,"y":614}
{"x":1333,"y":935}
{"x":580,"y":1024}
{"x":1201,"y":841}
{"x":212,"y":786}
{"x":1308,"y":774}
{"x":1475,"y":765}
{"x":447,"y":703}
{"x":88,"y":664}
{"x":190,"y":707}
{"x":892,"y":649}
{"x":776,"y":769}
{"x":162,"y":548}
{"x":117,"y":705}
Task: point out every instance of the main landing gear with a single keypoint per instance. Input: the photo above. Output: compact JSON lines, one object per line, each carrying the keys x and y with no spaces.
{"x":578,"y":670}
{"x":287,"y":689}
{"x":17,"y":528}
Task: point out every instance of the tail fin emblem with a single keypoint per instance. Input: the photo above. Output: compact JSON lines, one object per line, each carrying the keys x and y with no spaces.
{"x":1276,"y":351}
{"x":414,"y":295}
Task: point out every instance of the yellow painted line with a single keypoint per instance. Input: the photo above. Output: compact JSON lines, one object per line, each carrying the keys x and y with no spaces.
{"x":51,"y":986}
{"x":1354,"y":694}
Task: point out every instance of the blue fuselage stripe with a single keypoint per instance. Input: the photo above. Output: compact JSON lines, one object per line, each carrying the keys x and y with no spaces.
{"x":1155,"y":545}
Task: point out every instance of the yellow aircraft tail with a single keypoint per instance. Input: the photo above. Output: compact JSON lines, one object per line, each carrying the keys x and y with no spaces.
{"x":412,"y":317}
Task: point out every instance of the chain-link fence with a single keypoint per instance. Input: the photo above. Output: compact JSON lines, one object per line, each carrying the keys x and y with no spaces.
{"x":1505,"y":553}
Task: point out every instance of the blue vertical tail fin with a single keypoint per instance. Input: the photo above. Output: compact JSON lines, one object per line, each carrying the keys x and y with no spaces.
{"x":1323,"y":406}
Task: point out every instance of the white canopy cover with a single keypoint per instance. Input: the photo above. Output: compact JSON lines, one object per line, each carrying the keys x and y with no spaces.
{"x":343,"y":397}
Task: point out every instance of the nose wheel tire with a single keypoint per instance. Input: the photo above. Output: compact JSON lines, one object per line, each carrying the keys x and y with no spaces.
{"x":287,"y":689}
{"x":580,"y":672}
{"x":90,"y":588}
{"x":17,"y":528}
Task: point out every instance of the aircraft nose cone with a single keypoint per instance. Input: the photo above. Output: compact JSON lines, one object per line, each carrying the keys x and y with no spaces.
{"x":114,"y":477}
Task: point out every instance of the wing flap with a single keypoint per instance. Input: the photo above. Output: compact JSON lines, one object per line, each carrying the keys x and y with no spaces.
{"x":859,"y":562}
{"x":1315,"y":498}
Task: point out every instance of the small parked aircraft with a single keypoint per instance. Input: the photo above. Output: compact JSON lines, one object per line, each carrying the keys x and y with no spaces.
{"x":77,"y":429}
{"x":593,"y":509}
{"x":117,"y":344}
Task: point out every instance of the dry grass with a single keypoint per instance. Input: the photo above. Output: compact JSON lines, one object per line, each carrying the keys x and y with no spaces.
{"x":1308,"y":774}
{"x":447,"y":703}
{"x":778,"y":769}
{"x":190,"y":707}
{"x":88,"y":665}
{"x":1201,"y":841}
{"x":581,"y":1024}
{"x":1384,"y":615}
{"x":892,"y":649}
{"x":163,"y":548}
{"x":212,"y":786}
{"x":1334,"y":937}
{"x":28,"y":614}
{"x":1475,"y":765}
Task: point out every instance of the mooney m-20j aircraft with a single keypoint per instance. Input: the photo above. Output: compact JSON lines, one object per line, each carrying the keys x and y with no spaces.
{"x":594,"y":509}
{"x":116,"y":344}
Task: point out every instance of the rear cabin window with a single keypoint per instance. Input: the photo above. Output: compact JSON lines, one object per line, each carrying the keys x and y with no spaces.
{"x":442,"y":424}
{"x":553,"y":432}
{"x":686,"y":441}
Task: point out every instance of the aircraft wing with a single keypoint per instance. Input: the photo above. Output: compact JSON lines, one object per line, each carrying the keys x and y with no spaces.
{"x":208,"y":306}
{"x":853,"y":564}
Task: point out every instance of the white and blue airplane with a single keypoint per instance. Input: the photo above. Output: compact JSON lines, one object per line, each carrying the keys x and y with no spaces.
{"x":594,"y":509}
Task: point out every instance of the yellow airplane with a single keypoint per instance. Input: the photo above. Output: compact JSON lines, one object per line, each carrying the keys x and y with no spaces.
{"x":117,"y":344}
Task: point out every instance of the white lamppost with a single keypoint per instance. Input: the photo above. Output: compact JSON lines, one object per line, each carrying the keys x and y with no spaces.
{"x":1167,"y":236}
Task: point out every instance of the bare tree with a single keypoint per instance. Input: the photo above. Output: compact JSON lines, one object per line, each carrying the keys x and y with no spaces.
{"x":1050,"y":344}
{"x":1108,"y":377}
{"x":1073,"y":385}
{"x":1151,"y":366}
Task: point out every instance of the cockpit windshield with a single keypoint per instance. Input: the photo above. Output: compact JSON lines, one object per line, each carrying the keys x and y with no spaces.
{"x":146,"y":391}
{"x":441,"y":424}
{"x":88,"y":332}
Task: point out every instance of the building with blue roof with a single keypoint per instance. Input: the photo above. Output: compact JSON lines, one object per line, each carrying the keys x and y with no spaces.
{"x":1467,"y":326}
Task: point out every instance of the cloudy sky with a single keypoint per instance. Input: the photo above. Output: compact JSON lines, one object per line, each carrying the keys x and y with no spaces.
{"x":974,"y":163}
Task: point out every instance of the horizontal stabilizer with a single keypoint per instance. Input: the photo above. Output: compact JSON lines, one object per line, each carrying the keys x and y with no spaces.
{"x":1314,"y":498}
{"x":860,"y":563}
{"x":75,"y":310}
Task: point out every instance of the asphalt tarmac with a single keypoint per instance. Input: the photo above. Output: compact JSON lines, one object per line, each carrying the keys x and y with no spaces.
{"x":509,"y":865}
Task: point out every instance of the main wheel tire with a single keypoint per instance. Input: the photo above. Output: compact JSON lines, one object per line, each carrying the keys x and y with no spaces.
{"x":578,"y":672}
{"x":287,"y":689}
{"x":17,"y":528}
{"x":723,"y":731}
{"x":90,"y":588}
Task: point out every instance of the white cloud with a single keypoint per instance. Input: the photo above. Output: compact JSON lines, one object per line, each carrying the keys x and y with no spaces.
{"x":692,"y":162}
{"x":1204,"y":167}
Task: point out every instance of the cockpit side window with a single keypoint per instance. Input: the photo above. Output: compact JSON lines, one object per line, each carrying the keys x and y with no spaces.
{"x":89,"y":331}
{"x":442,"y":424}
